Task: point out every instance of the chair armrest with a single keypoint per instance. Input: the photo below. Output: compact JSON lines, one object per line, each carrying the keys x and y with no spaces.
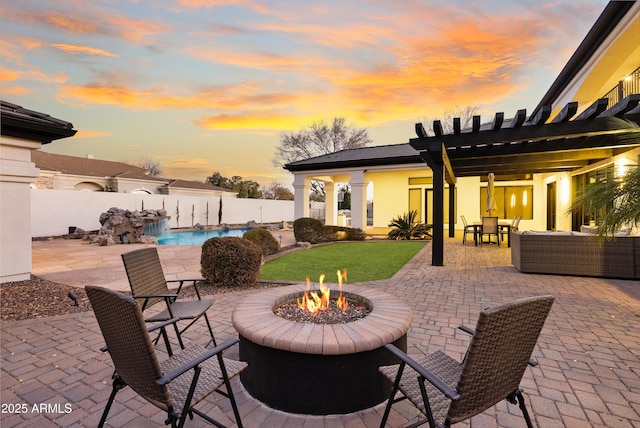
{"x":196,"y":361}
{"x":182,"y":281}
{"x":150,"y":329}
{"x":153,"y":296}
{"x":163,"y":324}
{"x":433,"y":379}
{"x":168,"y":298}
{"x":467,"y":329}
{"x":185,"y":280}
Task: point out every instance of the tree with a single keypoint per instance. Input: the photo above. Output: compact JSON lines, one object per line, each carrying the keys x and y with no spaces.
{"x":614,"y":200}
{"x":320,"y":139}
{"x":465,"y":114}
{"x":276,"y":191}
{"x":153,"y":168}
{"x":244,"y":188}
{"x":345,"y":189}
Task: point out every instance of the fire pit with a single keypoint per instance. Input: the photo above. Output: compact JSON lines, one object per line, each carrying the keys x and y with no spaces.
{"x":302,"y":366}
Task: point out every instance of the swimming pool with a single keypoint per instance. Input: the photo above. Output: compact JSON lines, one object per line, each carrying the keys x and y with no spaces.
{"x":197,"y":237}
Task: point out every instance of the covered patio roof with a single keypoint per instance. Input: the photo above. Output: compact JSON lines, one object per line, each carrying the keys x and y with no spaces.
{"x":523,"y":147}
{"x":517,"y":148}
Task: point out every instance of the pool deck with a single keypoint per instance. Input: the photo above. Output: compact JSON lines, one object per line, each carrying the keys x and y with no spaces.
{"x":79,"y":263}
{"x":589,"y":349}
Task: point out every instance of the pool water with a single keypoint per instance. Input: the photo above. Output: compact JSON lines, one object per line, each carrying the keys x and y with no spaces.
{"x":197,"y":237}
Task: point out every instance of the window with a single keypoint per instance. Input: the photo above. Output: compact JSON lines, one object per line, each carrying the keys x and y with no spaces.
{"x":415,"y":201}
{"x":580,"y":182}
{"x":511,"y":201}
{"x":416,"y":181}
{"x":142,"y":191}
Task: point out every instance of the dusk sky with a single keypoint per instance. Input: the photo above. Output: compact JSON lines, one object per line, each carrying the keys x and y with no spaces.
{"x":210,"y":85}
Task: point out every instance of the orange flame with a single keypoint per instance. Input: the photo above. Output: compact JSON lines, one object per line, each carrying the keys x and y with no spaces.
{"x":342,"y":302}
{"x":313,"y":302}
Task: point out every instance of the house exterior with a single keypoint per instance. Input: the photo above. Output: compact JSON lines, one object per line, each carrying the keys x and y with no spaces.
{"x":23,"y":131}
{"x":62,"y":172}
{"x":539,"y":161}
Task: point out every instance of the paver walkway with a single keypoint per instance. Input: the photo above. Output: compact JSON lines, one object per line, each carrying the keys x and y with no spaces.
{"x":589,"y":350}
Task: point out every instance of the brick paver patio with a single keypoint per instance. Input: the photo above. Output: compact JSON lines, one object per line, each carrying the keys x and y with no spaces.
{"x":589,"y":351}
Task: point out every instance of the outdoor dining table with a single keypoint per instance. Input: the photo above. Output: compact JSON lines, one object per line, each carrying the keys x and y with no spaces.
{"x":502,"y":225}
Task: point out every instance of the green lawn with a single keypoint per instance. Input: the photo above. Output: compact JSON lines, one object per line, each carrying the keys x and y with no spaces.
{"x":364,"y":261}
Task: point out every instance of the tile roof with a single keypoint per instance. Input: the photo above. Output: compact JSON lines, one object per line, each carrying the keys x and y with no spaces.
{"x":393,"y":154}
{"x":20,"y":122}
{"x":186,"y":184}
{"x":89,"y":167}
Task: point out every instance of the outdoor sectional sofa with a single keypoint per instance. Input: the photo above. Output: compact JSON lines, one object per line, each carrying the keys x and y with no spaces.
{"x":576,"y":253}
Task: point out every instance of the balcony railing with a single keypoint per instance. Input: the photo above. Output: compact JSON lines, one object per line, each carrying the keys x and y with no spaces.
{"x":630,"y":85}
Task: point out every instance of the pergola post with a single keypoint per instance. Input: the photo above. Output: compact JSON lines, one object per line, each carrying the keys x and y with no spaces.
{"x":452,"y":210}
{"x":436,"y":157}
{"x":437,"y":244}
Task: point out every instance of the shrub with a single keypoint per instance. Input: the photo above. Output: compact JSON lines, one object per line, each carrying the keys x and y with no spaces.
{"x":263,"y":239}
{"x":313,"y":231}
{"x":406,"y":227}
{"x":230,"y":261}
{"x":342,"y":233}
{"x":306,"y":229}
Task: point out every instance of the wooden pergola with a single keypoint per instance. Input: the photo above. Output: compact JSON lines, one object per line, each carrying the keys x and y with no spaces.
{"x":512,"y":149}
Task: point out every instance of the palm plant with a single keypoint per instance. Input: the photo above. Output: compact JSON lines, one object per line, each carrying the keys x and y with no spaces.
{"x":406,"y":227}
{"x":615,"y":198}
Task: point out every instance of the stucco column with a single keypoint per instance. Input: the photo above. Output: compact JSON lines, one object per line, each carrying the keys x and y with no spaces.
{"x":330,"y":200}
{"x":301,"y":189}
{"x":358,"y":200}
{"x":17,"y":172}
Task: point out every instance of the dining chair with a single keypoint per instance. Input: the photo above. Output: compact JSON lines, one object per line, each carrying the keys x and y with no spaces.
{"x":468,"y":228}
{"x":489,"y":227}
{"x":513,"y":226}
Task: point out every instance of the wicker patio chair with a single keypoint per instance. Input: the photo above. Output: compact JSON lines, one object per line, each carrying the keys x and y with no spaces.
{"x":468,"y":228}
{"x":490,"y":227}
{"x":148,"y":285}
{"x":174,"y":385}
{"x":491,"y":371}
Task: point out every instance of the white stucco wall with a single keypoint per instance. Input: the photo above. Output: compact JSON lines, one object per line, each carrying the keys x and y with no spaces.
{"x":17,"y":172}
{"x":53,"y":211}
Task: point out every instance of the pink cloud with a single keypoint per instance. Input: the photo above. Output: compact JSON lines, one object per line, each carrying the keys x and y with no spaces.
{"x":86,"y":50}
{"x":87,"y":22}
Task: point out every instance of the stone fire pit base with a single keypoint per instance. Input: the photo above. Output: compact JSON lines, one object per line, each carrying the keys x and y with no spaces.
{"x":319,"y":369}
